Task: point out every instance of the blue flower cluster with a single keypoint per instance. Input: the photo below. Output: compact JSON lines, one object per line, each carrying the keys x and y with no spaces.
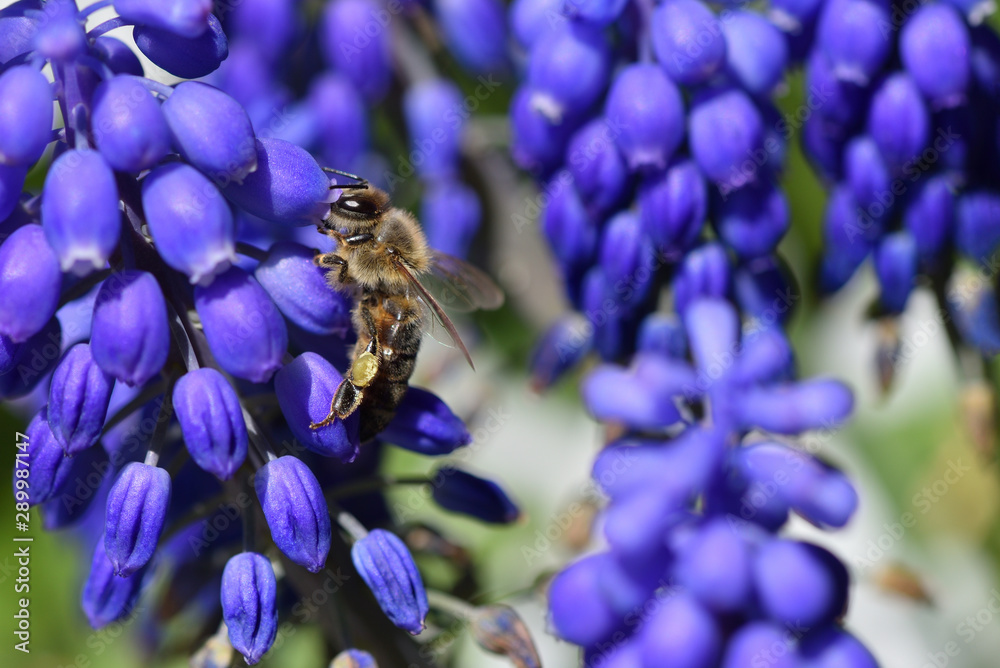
{"x":161,"y":313}
{"x":657,"y":150}
{"x":906,"y":139}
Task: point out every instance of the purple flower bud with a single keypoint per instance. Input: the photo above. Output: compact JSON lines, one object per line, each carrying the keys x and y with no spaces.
{"x":896,"y":267}
{"x":211,"y":420}
{"x":725,"y":129}
{"x":680,"y":633}
{"x":756,"y":52}
{"x":354,"y":38}
{"x":823,"y":496}
{"x":765,"y":358}
{"x":867,"y":174}
{"x":646,"y":109}
{"x":245,"y":330}
{"x":129,"y":127}
{"x":187,"y":18}
{"x":78,"y":400}
{"x":450,"y":214}
{"x":759,"y":639}
{"x":934,"y":45}
{"x":30,"y":282}
{"x":191,"y":223}
{"x":475,"y":31}
{"x":688,"y":41}
{"x":929,"y":214}
{"x":764,"y":290}
{"x":81,"y":186}
{"x":137,"y":510}
{"x":288,"y":186}
{"x":597,"y":166}
{"x":714,"y":565}
{"x":898,"y":121}
{"x":461,"y":492}
{"x":977,"y":224}
{"x":117,"y":55}
{"x":677,"y":469}
{"x":847,"y":239}
{"x":129,"y":335}
{"x":108,"y":597}
{"x":24,"y":365}
{"x":530,"y":19}
{"x":387,"y":568}
{"x":47,"y":466}
{"x":823,"y":143}
{"x":850,"y":34}
{"x":211,"y":131}
{"x":424,"y":424}
{"x":185,"y":57}
{"x":832,"y":646}
{"x":662,"y":334}
{"x":562,"y":347}
{"x":624,"y":250}
{"x":673,"y":207}
{"x":642,"y":397}
{"x":11,"y":186}
{"x":974,"y":308}
{"x":571,"y":232}
{"x":799,"y":583}
{"x":538,"y":144}
{"x":568,"y":70}
{"x":611,"y":340}
{"x":342,"y":118}
{"x":296,"y":513}
{"x":798,"y":407}
{"x":577,"y":609}
{"x":434,"y":120}
{"x":249,"y":607}
{"x":844,"y":103}
{"x":705,"y":272}
{"x":305,"y":389}
{"x":270,"y":24}
{"x":17,"y":32}
{"x":354,"y":658}
{"x":301,"y":291}
{"x":713,"y":328}
{"x":752,"y":220}
{"x":25,"y":115}
{"x":60,"y":35}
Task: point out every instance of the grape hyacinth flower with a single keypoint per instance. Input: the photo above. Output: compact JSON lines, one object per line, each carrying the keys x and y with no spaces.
{"x":683,"y":391}
{"x":161,"y":315}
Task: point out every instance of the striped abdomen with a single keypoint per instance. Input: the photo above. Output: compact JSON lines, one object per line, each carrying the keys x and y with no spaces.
{"x":397,"y":322}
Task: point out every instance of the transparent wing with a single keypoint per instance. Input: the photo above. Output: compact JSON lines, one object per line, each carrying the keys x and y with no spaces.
{"x":434,"y":310}
{"x":459,"y":286}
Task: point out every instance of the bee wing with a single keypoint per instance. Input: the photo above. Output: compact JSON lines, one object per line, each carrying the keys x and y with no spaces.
{"x":437,"y":314}
{"x":459,"y":286}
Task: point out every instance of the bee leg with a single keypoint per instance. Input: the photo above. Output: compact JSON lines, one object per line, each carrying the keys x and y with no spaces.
{"x":363,"y":370}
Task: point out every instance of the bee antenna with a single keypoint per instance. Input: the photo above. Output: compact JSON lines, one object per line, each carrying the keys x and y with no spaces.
{"x":359,"y":183}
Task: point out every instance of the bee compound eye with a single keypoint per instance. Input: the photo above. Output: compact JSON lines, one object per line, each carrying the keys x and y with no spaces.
{"x":360,"y":205}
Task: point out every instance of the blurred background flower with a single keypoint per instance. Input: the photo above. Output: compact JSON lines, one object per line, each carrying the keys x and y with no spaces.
{"x":680,"y":200}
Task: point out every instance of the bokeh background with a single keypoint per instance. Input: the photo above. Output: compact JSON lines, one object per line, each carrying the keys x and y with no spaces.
{"x":914,"y":590}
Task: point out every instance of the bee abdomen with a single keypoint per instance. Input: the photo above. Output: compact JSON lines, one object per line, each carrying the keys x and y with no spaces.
{"x":382,"y":396}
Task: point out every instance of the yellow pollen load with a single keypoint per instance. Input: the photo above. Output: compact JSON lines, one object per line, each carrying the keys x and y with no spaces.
{"x":364,"y":369}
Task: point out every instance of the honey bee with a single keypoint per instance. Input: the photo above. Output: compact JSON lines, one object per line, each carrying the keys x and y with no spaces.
{"x":383,"y":259}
